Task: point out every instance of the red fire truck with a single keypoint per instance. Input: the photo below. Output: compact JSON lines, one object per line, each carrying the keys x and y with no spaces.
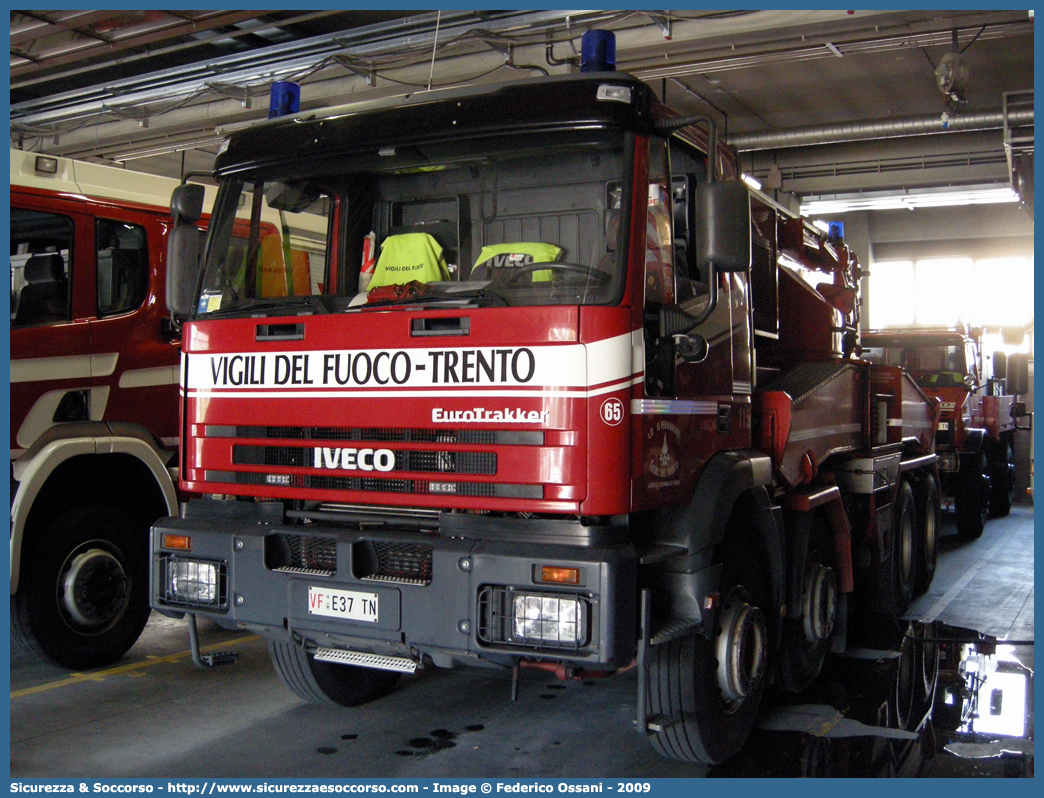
{"x":94,"y":370}
{"x":975,"y":441}
{"x":94,"y":401}
{"x":598,"y":408}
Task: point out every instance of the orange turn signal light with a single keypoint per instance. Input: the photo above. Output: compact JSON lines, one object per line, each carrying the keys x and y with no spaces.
{"x":179,"y":542}
{"x":564,"y":576}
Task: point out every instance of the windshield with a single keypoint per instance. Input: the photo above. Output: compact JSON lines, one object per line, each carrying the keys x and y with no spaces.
{"x":932,"y":366}
{"x":531,"y":219}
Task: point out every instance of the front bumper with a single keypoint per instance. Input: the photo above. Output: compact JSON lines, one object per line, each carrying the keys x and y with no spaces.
{"x":468,"y":591}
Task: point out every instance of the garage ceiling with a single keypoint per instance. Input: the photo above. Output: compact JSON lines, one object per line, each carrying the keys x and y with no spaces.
{"x":157,"y":90}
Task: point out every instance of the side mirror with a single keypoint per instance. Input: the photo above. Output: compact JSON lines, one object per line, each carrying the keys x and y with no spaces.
{"x":722,"y":227}
{"x":186,"y":203}
{"x":1000,"y":365}
{"x":292,"y":198}
{"x":1018,"y":374}
{"x":1013,"y":336}
{"x":186,"y":208}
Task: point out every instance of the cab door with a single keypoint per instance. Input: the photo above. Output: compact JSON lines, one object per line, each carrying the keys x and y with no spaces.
{"x":136,"y":355}
{"x":696,"y":398}
{"x":51,"y":302}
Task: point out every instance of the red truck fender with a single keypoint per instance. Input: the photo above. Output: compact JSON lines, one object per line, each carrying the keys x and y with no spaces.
{"x":732,"y":485}
{"x":58,"y":446}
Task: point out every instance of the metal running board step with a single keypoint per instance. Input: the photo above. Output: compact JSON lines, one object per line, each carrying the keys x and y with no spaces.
{"x":660,"y":552}
{"x":378,"y":661}
{"x":215,"y":658}
{"x":672,"y":630}
{"x":870,"y":653}
{"x":659,"y":723}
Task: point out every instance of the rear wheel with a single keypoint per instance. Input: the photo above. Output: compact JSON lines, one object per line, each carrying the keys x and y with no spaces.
{"x":806,"y":639}
{"x":1002,"y":477}
{"x":326,"y":682}
{"x":894,"y":577}
{"x":83,"y":596}
{"x":929,"y":519}
{"x":907,"y":683}
{"x":713,"y":688}
{"x":973,"y":495}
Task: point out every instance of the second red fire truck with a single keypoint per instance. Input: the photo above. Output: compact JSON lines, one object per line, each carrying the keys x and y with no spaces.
{"x":599,"y":407}
{"x":980,"y":398}
{"x":94,"y":398}
{"x":94,"y":403}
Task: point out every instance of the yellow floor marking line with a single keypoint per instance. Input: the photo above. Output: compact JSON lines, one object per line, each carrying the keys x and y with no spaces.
{"x":99,"y":676}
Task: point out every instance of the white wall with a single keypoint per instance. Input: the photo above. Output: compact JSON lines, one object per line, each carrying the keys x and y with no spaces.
{"x":973,"y":231}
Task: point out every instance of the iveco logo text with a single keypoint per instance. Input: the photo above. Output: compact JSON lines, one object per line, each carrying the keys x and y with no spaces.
{"x":353,"y":459}
{"x":504,"y":416}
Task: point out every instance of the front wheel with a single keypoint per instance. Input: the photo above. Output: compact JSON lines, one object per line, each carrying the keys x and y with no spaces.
{"x":328,"y":683}
{"x":83,"y":596}
{"x":712,"y":688}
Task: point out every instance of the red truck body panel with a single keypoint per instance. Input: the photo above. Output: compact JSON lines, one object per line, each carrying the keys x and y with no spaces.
{"x":125,"y":359}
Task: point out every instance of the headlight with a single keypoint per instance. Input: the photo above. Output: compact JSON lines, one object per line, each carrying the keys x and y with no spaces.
{"x":536,"y":619}
{"x":194,"y":583}
{"x":550,"y":620}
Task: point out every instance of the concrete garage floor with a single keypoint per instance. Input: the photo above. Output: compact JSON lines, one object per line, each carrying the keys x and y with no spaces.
{"x":155,"y":714}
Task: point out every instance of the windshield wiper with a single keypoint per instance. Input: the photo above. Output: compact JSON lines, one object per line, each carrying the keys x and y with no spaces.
{"x":287,"y":303}
{"x":485,"y":296}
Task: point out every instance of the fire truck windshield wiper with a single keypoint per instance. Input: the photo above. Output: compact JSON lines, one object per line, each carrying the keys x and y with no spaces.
{"x":479,"y":296}
{"x":287,"y":303}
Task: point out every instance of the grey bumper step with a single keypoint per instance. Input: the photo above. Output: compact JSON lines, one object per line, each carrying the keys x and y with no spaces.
{"x":378,"y":661}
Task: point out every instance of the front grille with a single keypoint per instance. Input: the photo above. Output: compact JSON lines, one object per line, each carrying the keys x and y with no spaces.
{"x":377,"y":484}
{"x":301,"y":553}
{"x":379,"y":435}
{"x":894,"y":356}
{"x":269,"y":453}
{"x":423,"y":462}
{"x":392,"y":561}
{"x":501,"y":623}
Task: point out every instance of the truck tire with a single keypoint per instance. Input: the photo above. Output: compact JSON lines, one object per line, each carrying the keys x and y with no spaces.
{"x":806,"y":639}
{"x":328,"y":683}
{"x":929,"y":521}
{"x":83,"y":597}
{"x":1002,"y":476}
{"x":908,"y":680}
{"x":713,"y":688}
{"x":972,"y":497}
{"x":894,"y":577}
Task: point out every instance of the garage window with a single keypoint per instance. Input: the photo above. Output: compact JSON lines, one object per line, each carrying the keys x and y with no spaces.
{"x":942,"y":292}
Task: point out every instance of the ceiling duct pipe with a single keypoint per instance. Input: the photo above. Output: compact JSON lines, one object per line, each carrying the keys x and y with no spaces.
{"x":877,"y":129}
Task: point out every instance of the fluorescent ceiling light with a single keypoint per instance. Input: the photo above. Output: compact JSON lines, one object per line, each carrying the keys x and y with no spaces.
{"x":750,"y":181}
{"x":968,"y":195}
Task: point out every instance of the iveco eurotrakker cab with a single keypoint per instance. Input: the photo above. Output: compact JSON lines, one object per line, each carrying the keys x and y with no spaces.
{"x":597,"y":407}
